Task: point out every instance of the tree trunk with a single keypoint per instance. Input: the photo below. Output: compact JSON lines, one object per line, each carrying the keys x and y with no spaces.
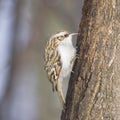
{"x":94,"y":87}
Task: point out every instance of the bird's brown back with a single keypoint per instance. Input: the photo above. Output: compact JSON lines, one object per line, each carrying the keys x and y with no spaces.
{"x":52,"y":61}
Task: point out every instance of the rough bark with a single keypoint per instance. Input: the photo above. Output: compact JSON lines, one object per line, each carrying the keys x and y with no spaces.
{"x":94,"y":92}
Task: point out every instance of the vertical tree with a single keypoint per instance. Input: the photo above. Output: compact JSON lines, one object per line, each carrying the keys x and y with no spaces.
{"x":94,"y":87}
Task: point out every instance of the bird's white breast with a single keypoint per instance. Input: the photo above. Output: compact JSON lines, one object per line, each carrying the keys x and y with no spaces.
{"x":67,"y":53}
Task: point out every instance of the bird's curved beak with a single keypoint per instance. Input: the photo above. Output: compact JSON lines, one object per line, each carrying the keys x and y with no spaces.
{"x":72,"y":34}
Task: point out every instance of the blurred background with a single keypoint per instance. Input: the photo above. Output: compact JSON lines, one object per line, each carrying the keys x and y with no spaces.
{"x":25,"y":27}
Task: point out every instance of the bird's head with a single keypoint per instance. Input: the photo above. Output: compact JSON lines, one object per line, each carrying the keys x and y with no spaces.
{"x":60,"y":36}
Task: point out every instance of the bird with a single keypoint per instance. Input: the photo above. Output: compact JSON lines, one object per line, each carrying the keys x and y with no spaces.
{"x":60,"y":55}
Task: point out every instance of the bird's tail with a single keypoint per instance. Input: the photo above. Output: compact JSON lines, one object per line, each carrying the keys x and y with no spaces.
{"x":60,"y":93}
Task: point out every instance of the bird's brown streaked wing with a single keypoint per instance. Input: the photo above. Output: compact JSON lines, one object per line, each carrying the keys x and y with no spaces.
{"x":50,"y":49}
{"x":53,"y":67}
{"x":54,"y":75}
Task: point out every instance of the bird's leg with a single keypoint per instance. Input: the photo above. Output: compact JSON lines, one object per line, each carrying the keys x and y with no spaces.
{"x":76,"y":57}
{"x":72,"y":61}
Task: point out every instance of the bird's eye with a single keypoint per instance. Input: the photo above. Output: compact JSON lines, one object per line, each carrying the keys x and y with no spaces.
{"x":66,"y":35}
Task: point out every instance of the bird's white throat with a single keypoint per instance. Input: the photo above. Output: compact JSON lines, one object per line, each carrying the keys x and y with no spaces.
{"x":67,"y":52}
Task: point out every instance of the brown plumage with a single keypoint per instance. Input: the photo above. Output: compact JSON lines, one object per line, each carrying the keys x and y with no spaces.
{"x":54,"y":62}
